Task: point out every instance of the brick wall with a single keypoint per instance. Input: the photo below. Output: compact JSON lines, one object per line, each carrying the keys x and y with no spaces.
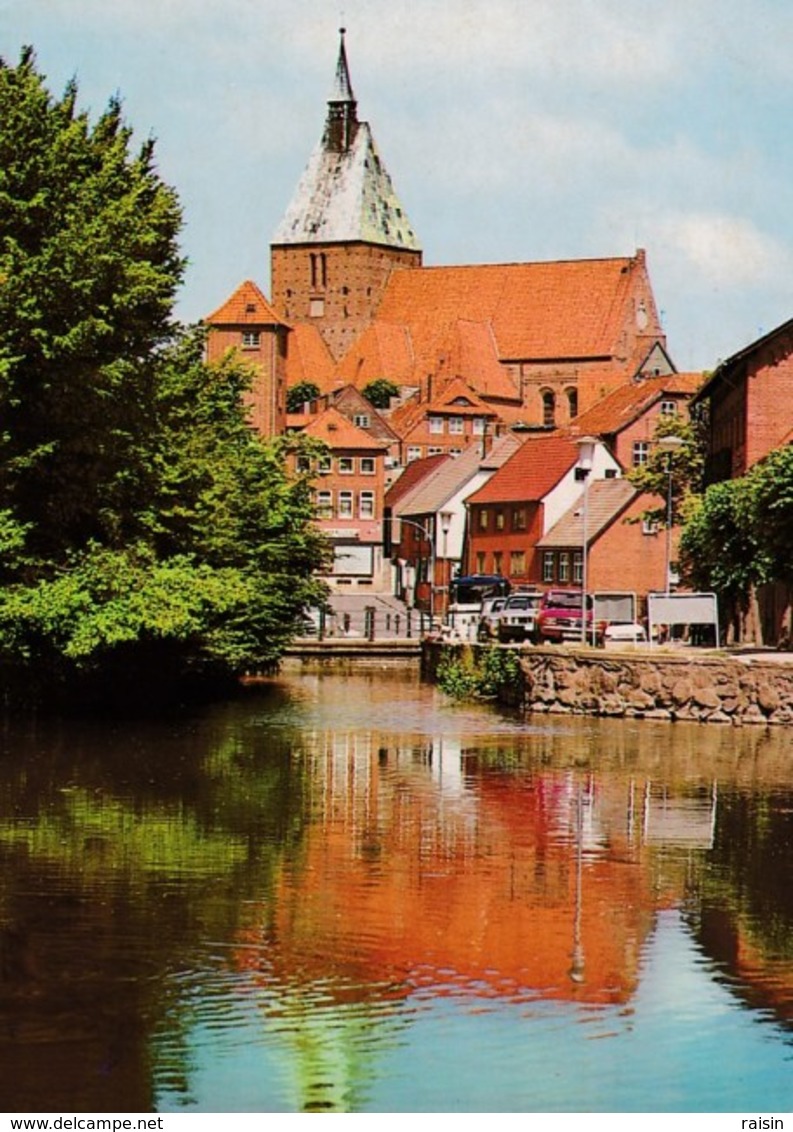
{"x":337,"y":287}
{"x":266,"y":399}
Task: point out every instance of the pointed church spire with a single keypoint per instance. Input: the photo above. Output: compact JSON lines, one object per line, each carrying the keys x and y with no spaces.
{"x":342,"y":121}
{"x":342,"y":87}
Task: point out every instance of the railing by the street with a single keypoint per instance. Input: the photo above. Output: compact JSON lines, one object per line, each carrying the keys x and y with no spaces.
{"x":372,"y":624}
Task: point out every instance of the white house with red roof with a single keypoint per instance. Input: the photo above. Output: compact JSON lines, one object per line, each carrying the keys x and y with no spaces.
{"x":524,"y":499}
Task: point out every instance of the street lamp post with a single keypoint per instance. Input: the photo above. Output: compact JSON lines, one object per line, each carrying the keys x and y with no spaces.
{"x":427,"y":535}
{"x":586,"y":452}
{"x":446,"y":522}
{"x":669,"y":445}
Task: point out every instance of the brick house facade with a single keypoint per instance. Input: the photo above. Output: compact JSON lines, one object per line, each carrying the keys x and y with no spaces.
{"x":349,"y":489}
{"x":747,"y":399}
{"x":526,"y":496}
{"x":247,"y":326}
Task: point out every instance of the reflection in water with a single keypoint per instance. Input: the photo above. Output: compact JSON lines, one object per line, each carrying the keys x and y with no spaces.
{"x":347,"y":893}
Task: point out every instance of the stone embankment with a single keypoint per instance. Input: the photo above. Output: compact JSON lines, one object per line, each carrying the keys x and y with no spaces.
{"x":655,"y":684}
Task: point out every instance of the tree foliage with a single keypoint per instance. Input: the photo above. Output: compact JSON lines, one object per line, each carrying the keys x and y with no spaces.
{"x":299,"y":394}
{"x":681,"y":469}
{"x":145,"y":530}
{"x":380,"y":391}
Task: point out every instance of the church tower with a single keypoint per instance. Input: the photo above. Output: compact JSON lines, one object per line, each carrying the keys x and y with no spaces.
{"x":344,"y":231}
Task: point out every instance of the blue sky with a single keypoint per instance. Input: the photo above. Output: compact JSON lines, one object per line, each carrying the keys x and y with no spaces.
{"x":513,"y":130}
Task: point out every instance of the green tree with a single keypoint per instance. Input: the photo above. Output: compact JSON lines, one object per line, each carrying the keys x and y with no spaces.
{"x":89,"y":267}
{"x":299,"y":394}
{"x":684,"y":465}
{"x":379,"y":392}
{"x":146,"y":532}
{"x":719,"y":547}
{"x":769,"y":486}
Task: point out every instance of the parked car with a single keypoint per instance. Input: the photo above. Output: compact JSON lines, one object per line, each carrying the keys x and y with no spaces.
{"x":560,"y":619}
{"x":517,"y":621}
{"x":487,"y":629}
{"x":625,"y":633}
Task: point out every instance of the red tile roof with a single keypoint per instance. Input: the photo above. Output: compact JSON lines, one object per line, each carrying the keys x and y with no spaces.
{"x":606,"y":500}
{"x":382,"y":350}
{"x":337,"y":432}
{"x":246,"y":307}
{"x":413,"y":474}
{"x":308,"y":359}
{"x":624,"y":404}
{"x":560,"y":309}
{"x":531,"y":472}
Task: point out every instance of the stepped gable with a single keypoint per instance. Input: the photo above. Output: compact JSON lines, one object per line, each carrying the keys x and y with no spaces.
{"x":606,"y":500}
{"x":530,"y":473}
{"x":345,"y":193}
{"x":336,"y":431}
{"x":246,"y":306}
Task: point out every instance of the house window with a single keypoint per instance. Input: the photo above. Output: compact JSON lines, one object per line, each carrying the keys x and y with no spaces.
{"x":434,"y":451}
{"x":641,"y":453}
{"x":324,"y":505}
{"x":548,"y":408}
{"x":303,"y":464}
{"x":498,"y":562}
{"x":366,"y":505}
{"x":456,"y":425}
{"x":564,"y":565}
{"x":251,"y":339}
{"x":478,"y":426}
{"x":480,"y":562}
{"x":362,"y":420}
{"x":483,"y":518}
{"x":519,"y":518}
{"x":547,"y":565}
{"x":578,"y":567}
{"x":572,"y":403}
{"x":455,"y":451}
{"x":414,"y":453}
{"x":668,"y":408}
{"x":367,"y":465}
{"x":500,"y":520}
{"x":517,"y":563}
{"x":345,"y":505}
{"x":324,"y":465}
{"x":345,"y":465}
{"x":316,"y":308}
{"x":435,"y":424}
{"x":649,"y":526}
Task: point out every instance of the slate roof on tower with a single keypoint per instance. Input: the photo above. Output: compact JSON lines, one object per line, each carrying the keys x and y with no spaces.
{"x":345,"y":193}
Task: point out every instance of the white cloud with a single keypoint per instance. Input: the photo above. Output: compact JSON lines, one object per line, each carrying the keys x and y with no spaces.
{"x":725,"y":251}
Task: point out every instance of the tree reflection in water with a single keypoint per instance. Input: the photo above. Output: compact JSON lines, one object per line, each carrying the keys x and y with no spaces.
{"x":310,"y":872}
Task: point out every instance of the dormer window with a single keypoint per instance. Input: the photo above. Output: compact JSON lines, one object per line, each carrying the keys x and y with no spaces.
{"x":251,"y":339}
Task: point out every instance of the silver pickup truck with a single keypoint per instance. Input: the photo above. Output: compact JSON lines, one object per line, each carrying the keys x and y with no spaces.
{"x":517,"y":620}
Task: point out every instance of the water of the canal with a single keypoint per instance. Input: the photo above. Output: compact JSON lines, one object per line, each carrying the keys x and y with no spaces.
{"x":349,"y":893}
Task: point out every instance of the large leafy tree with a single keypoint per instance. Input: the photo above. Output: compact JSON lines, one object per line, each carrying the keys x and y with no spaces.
{"x":89,"y":267}
{"x":145,"y":530}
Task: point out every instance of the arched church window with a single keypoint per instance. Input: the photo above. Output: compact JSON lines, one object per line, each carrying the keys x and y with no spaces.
{"x":548,"y":408}
{"x":572,"y":403}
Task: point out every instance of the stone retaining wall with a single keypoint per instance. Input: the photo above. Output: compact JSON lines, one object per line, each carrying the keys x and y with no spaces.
{"x":707,"y":688}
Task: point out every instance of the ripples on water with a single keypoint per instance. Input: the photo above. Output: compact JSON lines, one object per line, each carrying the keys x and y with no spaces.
{"x":349,"y":893}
